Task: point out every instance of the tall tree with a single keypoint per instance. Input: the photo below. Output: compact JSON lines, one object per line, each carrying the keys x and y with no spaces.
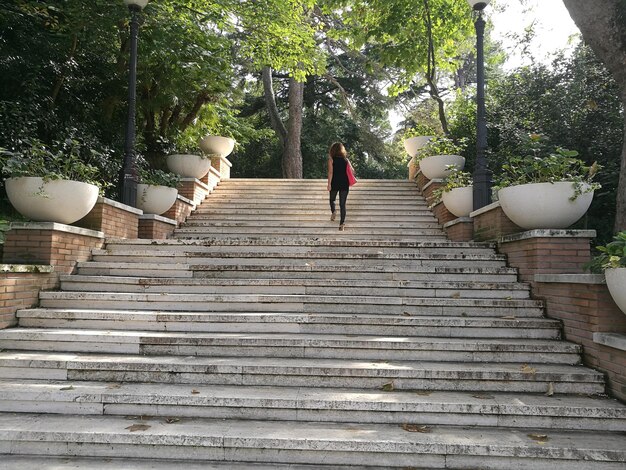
{"x":603,"y":26}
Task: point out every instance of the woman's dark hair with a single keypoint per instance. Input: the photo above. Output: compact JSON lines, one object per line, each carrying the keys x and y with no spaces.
{"x":337,"y":150}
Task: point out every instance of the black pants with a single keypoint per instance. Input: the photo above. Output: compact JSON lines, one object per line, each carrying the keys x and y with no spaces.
{"x":343,"y":197}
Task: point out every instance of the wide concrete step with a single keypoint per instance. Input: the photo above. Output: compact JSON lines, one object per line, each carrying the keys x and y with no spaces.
{"x":359,"y":445}
{"x":237,"y":322}
{"x":310,"y":271}
{"x":29,"y":462}
{"x":308,"y":218}
{"x":268,"y":257}
{"x":313,"y":224}
{"x":563,"y":412}
{"x":303,"y":372}
{"x":290,"y":345}
{"x":413,"y":213}
{"x":295,"y":286}
{"x":287,"y":203}
{"x":292,"y":303}
{"x":331,"y":243}
{"x":354,"y":232}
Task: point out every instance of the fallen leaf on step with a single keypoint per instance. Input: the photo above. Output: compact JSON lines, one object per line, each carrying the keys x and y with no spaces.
{"x":423,"y":393}
{"x":509,"y":298}
{"x":67,"y":388}
{"x":138,"y":427}
{"x":550,"y":391}
{"x":456,"y":295}
{"x":415,"y":428}
{"x":194,"y":392}
{"x":113,"y":386}
{"x":483,"y":396}
{"x":388,"y":387}
{"x":171,"y":420}
{"x":539,"y":438}
{"x":526,"y":369}
{"x":509,"y":317}
{"x":406,"y":314}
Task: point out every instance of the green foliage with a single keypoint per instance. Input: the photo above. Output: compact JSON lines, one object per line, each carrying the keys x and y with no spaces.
{"x":613,"y":255}
{"x":61,"y":161}
{"x":455,"y":178}
{"x":156,"y":177}
{"x":441,"y":145}
{"x":556,"y":167}
{"x":5,"y":225}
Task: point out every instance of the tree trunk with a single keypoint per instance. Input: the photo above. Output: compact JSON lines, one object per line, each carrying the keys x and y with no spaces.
{"x":603,"y":26}
{"x":289,"y":136}
{"x":292,"y":153}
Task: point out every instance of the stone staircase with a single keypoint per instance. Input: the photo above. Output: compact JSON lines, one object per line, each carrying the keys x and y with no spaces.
{"x":260,"y":337}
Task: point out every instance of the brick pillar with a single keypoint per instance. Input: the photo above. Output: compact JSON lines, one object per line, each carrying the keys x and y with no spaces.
{"x":156,"y":227}
{"x":547,"y":251}
{"x":460,"y":229}
{"x":50,"y":243}
{"x":413,"y":169}
{"x":113,"y":218}
{"x":222,"y":165}
{"x":193,"y":189}
{"x":429,"y":188}
{"x":180,"y":210}
{"x":491,"y":223}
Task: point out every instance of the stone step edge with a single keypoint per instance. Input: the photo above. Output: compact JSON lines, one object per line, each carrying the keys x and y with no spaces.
{"x":353,"y":283}
{"x":198,"y":255}
{"x":289,"y":298}
{"x":260,"y":437}
{"x":493,"y":403}
{"x":300,"y":318}
{"x":289,"y":340}
{"x":299,"y":241}
{"x":509,"y":371}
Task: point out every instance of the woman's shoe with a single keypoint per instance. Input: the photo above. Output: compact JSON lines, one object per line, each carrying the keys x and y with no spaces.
{"x":332,"y":216}
{"x":342,"y":227}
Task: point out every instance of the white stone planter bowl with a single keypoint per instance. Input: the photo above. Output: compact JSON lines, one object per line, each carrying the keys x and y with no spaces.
{"x":413,"y":144}
{"x":616,"y":282}
{"x":544,"y":205}
{"x":62,"y":201}
{"x":459,"y":201}
{"x":189,"y":166}
{"x":155,"y":199}
{"x":214,"y":144}
{"x":435,"y":166}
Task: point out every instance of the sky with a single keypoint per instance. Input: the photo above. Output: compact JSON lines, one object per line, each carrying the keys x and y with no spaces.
{"x":552,"y":23}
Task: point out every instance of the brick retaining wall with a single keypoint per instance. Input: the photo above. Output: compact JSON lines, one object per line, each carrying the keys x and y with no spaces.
{"x":584,"y":305}
{"x":19,"y":288}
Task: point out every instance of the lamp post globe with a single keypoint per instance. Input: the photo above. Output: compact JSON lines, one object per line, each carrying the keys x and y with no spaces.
{"x":127,"y":184}
{"x":482,"y":174}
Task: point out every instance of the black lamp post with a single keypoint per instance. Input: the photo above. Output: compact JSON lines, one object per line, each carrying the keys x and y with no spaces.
{"x":128,"y":174}
{"x":482,"y":174}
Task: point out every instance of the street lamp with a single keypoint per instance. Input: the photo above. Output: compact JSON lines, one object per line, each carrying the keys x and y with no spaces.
{"x":482,"y":174}
{"x":128,"y":174}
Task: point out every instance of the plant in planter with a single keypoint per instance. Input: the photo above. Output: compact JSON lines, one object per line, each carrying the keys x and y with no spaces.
{"x":457,"y":192}
{"x":551,"y":192}
{"x":612,"y":260}
{"x":157,"y":191}
{"x":50,"y":184}
{"x":439,"y":155}
{"x":184,"y":156}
